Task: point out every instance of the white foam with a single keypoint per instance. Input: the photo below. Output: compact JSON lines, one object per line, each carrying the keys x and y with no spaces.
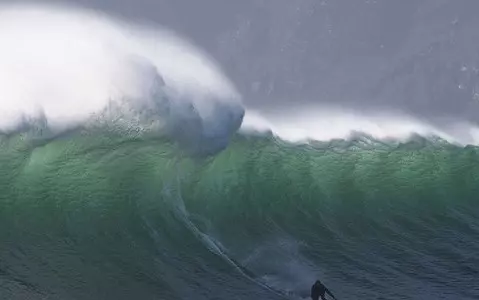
{"x":327,"y":123}
{"x":65,"y":65}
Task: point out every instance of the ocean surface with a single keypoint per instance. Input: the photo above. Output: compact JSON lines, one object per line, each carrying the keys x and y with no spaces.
{"x":129,"y":169}
{"x":105,"y":216}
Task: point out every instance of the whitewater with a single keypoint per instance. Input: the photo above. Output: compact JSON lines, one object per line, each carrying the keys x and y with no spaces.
{"x":131,"y":169}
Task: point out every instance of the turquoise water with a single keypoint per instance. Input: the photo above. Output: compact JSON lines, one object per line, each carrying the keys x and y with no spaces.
{"x":98,"y":215}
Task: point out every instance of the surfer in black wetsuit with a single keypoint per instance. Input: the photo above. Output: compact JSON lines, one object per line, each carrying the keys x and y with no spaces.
{"x":318,"y":290}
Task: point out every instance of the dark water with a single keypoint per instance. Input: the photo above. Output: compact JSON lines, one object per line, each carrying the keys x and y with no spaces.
{"x":99,"y":216}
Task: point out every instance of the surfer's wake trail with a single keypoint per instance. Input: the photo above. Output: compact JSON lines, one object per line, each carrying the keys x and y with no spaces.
{"x":123,"y":176}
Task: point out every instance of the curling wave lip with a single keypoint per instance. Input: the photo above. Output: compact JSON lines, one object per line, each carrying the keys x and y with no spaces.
{"x":62,"y":68}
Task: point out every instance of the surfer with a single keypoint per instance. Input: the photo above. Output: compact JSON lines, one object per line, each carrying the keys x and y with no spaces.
{"x":318,"y":289}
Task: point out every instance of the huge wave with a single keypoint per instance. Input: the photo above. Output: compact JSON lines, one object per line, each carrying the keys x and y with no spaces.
{"x":108,"y":217}
{"x":98,"y":200}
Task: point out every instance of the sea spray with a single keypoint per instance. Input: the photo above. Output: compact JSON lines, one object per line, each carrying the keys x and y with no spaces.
{"x":66,"y":68}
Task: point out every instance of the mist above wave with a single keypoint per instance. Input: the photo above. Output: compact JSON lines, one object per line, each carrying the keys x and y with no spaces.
{"x":66,"y":67}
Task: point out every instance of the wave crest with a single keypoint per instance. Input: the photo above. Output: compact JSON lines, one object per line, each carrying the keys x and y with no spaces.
{"x":64,"y":68}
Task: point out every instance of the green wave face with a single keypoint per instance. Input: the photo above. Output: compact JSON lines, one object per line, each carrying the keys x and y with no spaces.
{"x":104,"y":216}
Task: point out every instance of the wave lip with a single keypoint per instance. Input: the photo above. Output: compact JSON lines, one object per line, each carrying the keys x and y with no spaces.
{"x":326,"y":124}
{"x":65,"y":68}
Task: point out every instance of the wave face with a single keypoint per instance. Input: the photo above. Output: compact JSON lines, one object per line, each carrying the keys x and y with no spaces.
{"x":108,"y":216}
{"x":123,"y":176}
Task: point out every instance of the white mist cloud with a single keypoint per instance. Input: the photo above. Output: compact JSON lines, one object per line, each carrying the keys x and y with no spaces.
{"x":65,"y":65}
